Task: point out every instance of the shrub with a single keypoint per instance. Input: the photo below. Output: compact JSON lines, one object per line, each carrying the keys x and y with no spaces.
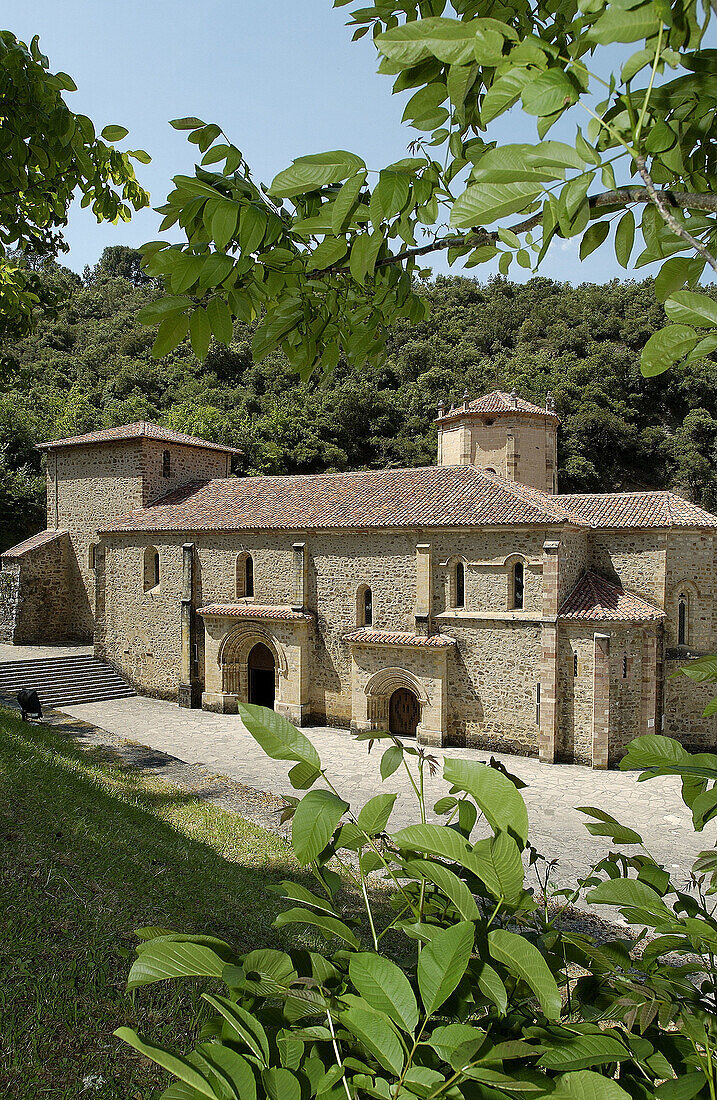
{"x":494,"y":996}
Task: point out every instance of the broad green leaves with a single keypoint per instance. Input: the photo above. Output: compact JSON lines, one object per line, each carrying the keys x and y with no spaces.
{"x":494,"y":793}
{"x":442,"y":964}
{"x":484,"y":203}
{"x":384,"y":987}
{"x":522,"y":958}
{"x":277,"y":737}
{"x":448,"y":40}
{"x":315,"y":819}
{"x":311,"y":172}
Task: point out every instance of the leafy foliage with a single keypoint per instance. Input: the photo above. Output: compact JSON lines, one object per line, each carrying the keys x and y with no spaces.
{"x":49,"y":154}
{"x":490,"y":1003}
{"x":90,"y":366}
{"x":326,"y":256}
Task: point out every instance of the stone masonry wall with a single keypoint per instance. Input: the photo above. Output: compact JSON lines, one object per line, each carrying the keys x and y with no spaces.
{"x":625,"y":691}
{"x":690,"y":568}
{"x":9,"y":600}
{"x":36,"y":605}
{"x":575,"y":693}
{"x":634,"y":558}
{"x":684,"y":703}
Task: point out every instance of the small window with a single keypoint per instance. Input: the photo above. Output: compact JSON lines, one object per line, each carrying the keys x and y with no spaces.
{"x":518,"y":586}
{"x":93,"y":556}
{"x":151,"y":568}
{"x":367,"y":607}
{"x":460,"y":584}
{"x":537,"y":704}
{"x":682,"y":619}
{"x":249,"y":576}
{"x":166,"y":464}
{"x":575,"y":664}
{"x":624,"y":666}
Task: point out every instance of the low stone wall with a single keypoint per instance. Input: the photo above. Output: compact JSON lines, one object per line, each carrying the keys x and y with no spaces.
{"x":9,"y":601}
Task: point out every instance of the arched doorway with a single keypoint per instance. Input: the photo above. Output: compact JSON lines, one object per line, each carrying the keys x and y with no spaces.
{"x":404,"y":713}
{"x":262,"y":676}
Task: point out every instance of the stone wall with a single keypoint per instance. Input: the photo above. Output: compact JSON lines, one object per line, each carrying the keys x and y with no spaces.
{"x":9,"y":600}
{"x":685,"y":701}
{"x":626,"y":645}
{"x":36,"y":593}
{"x":690,"y":569}
{"x":575,"y":693}
{"x":574,"y":558}
{"x":635,"y":559}
{"x":520,"y":448}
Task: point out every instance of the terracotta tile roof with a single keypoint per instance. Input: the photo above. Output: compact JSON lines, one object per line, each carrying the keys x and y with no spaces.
{"x":398,"y":638}
{"x":254,"y":611}
{"x":595,"y":598}
{"x":500,"y":403}
{"x":141,"y":429}
{"x":32,"y":543}
{"x":429,"y":496}
{"x":653,"y":509}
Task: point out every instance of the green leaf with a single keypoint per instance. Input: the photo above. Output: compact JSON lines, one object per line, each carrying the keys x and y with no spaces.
{"x":280,"y":1084}
{"x":200,"y":332}
{"x":252,"y":227}
{"x":327,"y":253}
{"x":492,"y":987}
{"x":171,"y":333}
{"x":220,"y":320}
{"x":318,"y":170}
{"x":174,"y":1063}
{"x":625,"y":238}
{"x":389,"y":197}
{"x":665,"y":348}
{"x":302,"y":776}
{"x":375,"y":1031}
{"x":448,"y":883}
{"x":702,"y":671}
{"x":524,"y":961}
{"x":652,"y":749}
{"x":374,"y":816}
{"x":229,"y":1066}
{"x":166,"y":959}
{"x":619,"y":24}
{"x":503,"y":93}
{"x":481,"y":204}
{"x":243,"y":1025}
{"x":443,"y":962}
{"x":437,"y":840}
{"x":685,"y":1087}
{"x":583,"y":1052}
{"x":330,"y":926}
{"x":620,"y":834}
{"x":224,"y":222}
{"x":186,"y":123}
{"x":215,"y":269}
{"x":277,"y":737}
{"x":635,"y":63}
{"x":586,"y":1085}
{"x":494,"y":794}
{"x":548,"y":93}
{"x":631,"y":896}
{"x":500,"y":866}
{"x":315,"y":819}
{"x":384,"y":987}
{"x":593,"y":237}
{"x":671,"y":277}
{"x":346,"y":201}
{"x":391,"y":761}
{"x":364,"y":252}
{"x":449,"y":40}
{"x":114,"y":133}
{"x":162,"y":308}
{"x":689,"y":308}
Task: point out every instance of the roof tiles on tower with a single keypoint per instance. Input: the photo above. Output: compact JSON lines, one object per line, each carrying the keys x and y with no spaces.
{"x":429,"y":496}
{"x":597,"y":599}
{"x":140,"y":429}
{"x":500,"y":403}
{"x":652,"y":509}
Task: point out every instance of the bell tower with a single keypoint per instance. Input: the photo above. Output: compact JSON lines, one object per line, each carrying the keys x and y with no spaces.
{"x":504,"y":434}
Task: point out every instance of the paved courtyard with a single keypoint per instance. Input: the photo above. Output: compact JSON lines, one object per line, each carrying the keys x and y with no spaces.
{"x":222,"y":745}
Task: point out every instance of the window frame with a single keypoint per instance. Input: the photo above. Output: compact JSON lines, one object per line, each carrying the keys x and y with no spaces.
{"x":166,"y":464}
{"x":517,"y":603}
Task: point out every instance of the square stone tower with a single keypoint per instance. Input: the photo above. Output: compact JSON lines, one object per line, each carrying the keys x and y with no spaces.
{"x":93,"y":478}
{"x":502,"y":433}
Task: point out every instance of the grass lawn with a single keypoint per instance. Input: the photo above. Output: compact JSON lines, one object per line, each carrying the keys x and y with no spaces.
{"x":90,"y":850}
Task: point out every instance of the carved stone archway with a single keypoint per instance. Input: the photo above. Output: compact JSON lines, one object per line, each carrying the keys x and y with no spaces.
{"x":234,"y":659}
{"x":382,"y":686}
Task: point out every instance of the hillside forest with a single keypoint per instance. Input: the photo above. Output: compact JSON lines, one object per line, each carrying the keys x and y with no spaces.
{"x":89,"y":366}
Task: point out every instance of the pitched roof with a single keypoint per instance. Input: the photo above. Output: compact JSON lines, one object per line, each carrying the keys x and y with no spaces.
{"x":428,"y":496}
{"x":398,"y":638}
{"x":652,"y":509}
{"x":596,"y":598}
{"x":500,"y":403}
{"x":40,"y":539}
{"x":254,"y":611}
{"x":140,"y":429}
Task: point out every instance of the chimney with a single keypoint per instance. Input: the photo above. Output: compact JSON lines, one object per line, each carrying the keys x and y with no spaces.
{"x":513,"y":399}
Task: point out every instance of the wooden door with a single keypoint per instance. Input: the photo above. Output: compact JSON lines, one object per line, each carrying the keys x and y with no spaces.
{"x":403,"y":713}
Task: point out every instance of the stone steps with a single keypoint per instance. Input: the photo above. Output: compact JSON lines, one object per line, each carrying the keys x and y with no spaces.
{"x":64,"y":681}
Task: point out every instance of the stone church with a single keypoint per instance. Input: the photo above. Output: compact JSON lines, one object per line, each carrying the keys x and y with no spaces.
{"x":467,"y":603}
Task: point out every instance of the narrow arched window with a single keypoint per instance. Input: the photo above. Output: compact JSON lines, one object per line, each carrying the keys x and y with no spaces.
{"x":575,"y":664}
{"x":249,"y":576}
{"x":624,"y":666}
{"x":93,"y":555}
{"x":151,"y":568}
{"x":518,"y":585}
{"x":460,"y":584}
{"x":682,"y":619}
{"x":166,"y":464}
{"x":367,"y":607}
{"x":156,"y":568}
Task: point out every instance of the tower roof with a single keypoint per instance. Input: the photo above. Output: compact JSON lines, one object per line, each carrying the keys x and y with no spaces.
{"x":140,"y":429}
{"x":500,"y":403}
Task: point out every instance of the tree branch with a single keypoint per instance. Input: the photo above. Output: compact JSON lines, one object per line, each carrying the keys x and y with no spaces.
{"x":623,"y":196}
{"x":658,"y":198}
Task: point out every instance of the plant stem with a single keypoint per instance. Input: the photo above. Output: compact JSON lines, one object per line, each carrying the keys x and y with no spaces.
{"x":667,"y":217}
{"x":648,"y":90}
{"x":337,"y":1052}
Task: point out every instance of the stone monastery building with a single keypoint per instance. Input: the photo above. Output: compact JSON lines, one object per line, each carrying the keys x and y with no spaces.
{"x":466,"y":602}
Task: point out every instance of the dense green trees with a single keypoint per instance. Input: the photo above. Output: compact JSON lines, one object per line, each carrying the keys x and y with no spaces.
{"x":91,"y":366}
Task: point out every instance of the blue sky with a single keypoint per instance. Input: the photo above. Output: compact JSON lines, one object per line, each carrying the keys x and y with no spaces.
{"x":281,"y":77}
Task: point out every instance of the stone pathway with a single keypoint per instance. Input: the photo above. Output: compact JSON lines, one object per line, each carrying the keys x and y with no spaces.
{"x":221,"y":744}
